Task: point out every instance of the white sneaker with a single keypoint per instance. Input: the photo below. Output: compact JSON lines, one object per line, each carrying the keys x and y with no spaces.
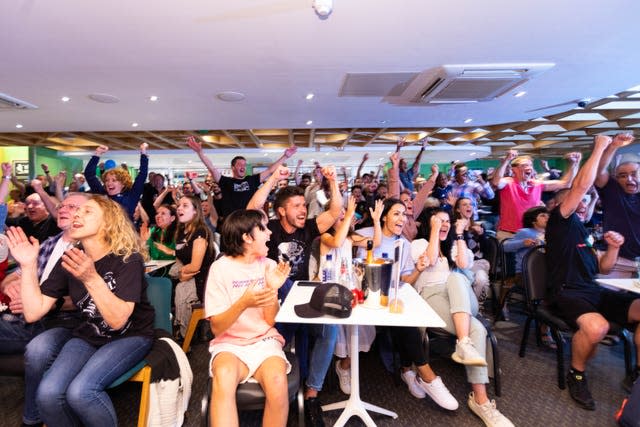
{"x":409,"y":377}
{"x":344,"y":376}
{"x":488,"y":413}
{"x":439,"y":393}
{"x":467,"y":354}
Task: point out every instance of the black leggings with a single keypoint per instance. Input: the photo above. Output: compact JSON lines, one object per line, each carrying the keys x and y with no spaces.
{"x":408,"y":341}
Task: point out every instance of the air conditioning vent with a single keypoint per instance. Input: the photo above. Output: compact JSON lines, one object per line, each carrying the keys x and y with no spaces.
{"x":10,"y":103}
{"x":453,"y":84}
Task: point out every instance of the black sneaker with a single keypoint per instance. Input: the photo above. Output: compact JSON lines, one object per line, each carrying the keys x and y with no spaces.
{"x":627,"y":382}
{"x":313,"y":412}
{"x":579,"y":391}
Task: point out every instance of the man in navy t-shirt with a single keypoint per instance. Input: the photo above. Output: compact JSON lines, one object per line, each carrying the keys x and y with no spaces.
{"x":620,"y":195}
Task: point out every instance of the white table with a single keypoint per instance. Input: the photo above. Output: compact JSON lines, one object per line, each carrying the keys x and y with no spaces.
{"x":157,"y":264}
{"x":631,"y":285}
{"x":416,"y":313}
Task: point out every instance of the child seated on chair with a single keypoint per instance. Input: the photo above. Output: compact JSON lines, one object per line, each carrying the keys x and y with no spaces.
{"x":241,"y":304}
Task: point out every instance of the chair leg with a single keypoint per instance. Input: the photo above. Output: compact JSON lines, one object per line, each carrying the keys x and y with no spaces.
{"x":525,"y":336}
{"x":196,"y":315}
{"x":627,"y":340}
{"x":496,"y":363}
{"x":143,"y":414}
{"x":562,"y":382}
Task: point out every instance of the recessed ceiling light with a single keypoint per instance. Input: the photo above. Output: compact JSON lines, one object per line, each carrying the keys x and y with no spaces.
{"x":383,"y":122}
{"x":231,"y":96}
{"x":265,"y":154}
{"x":189,"y":161}
{"x":472,"y":154}
{"x":326,"y":154}
{"x":19,"y":126}
{"x":309,"y":96}
{"x":309,"y":122}
{"x":134,"y":124}
{"x":469,"y":120}
{"x":153,"y":98}
{"x":381,"y":158}
{"x":521,"y":93}
{"x":388,"y":153}
{"x":65,"y":99}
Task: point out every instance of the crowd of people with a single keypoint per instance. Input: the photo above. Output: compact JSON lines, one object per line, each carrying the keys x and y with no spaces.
{"x":76,"y":304}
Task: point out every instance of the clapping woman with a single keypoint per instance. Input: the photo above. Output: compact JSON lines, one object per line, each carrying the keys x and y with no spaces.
{"x":105,"y":280}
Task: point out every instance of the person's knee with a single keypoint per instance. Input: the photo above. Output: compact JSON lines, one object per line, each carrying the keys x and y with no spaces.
{"x":78,"y":395}
{"x":276,"y":386}
{"x":595,"y":329}
{"x":49,"y":394}
{"x":225,"y":379}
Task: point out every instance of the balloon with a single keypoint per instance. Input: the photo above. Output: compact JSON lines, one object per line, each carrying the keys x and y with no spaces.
{"x":109,"y":164}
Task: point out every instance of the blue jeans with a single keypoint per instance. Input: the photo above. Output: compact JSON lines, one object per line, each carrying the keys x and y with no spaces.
{"x":15,"y":333}
{"x":322,"y":353}
{"x":72,"y":391}
{"x":38,"y":357}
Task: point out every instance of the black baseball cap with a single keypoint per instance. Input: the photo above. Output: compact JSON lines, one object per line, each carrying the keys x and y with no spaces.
{"x":327,"y":298}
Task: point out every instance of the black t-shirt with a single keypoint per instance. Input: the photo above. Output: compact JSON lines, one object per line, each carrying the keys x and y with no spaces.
{"x":571,"y":259}
{"x":184,"y":251}
{"x":125,"y":279}
{"x":622,"y":214}
{"x":294,"y":247}
{"x":41,"y":231}
{"x":236,"y":193}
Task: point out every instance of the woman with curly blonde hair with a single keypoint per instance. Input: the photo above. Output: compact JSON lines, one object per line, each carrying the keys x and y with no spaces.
{"x":104,"y":277}
{"x":116,"y":183}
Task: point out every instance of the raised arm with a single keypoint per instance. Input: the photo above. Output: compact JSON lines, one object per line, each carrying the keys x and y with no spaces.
{"x":585,"y":178}
{"x":336,"y":240}
{"x":296,"y":173}
{"x":568,"y":176}
{"x":138,"y":183}
{"x":274,"y":166}
{"x":498,"y":174}
{"x":61,"y":180}
{"x":90,"y":171}
{"x":423,"y":194}
{"x":259,"y":198}
{"x":620,"y":140}
{"x":47,"y":173}
{"x":416,"y":163}
{"x":365,"y":157}
{"x":196,"y":146}
{"x":394,"y":176}
{"x":4,"y":185}
{"x":327,"y":218}
{"x":49,"y":203}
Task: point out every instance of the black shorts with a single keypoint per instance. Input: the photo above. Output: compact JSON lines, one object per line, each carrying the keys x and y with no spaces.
{"x":570,"y":304}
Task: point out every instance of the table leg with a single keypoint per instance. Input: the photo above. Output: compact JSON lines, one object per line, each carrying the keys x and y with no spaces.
{"x":354,"y":405}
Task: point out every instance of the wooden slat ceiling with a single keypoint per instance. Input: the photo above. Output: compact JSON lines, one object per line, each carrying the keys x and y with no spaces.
{"x":552,"y":135}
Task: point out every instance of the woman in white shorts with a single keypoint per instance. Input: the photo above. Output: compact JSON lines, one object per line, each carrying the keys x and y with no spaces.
{"x":241,"y":304}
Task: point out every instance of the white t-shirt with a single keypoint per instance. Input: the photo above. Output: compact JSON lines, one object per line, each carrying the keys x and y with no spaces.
{"x":58,"y":250}
{"x":227,"y":281}
{"x":438,"y":273}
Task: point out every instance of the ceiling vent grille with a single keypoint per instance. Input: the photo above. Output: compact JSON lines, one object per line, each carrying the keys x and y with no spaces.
{"x":10,"y":103}
{"x":463,"y":84}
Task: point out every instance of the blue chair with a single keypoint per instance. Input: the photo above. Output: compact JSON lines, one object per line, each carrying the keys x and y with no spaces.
{"x":159,"y":295}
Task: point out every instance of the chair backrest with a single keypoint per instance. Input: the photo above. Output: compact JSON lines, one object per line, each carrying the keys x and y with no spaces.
{"x":534,"y":273}
{"x":507,"y":261}
{"x":159,"y":294}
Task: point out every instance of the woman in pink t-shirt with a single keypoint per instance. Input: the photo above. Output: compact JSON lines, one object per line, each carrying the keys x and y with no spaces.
{"x":241,"y":304}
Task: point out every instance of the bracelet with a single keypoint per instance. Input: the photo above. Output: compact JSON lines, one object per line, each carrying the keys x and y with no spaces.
{"x":459,"y":236}
{"x":6,"y":176}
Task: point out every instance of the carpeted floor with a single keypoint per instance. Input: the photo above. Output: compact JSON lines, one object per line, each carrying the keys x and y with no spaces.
{"x":530,"y":396}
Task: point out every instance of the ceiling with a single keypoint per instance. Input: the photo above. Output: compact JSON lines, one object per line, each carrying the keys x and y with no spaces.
{"x":275,"y":52}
